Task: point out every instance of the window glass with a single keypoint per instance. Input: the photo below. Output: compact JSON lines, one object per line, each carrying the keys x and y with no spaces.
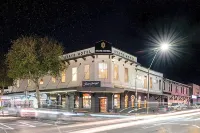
{"x":126,"y":101}
{"x":74,"y":74}
{"x":87,"y":71}
{"x":151,"y":82}
{"x":145,"y":81}
{"x":117,"y":101}
{"x":87,"y":101}
{"x":17,"y":83}
{"x":63,"y":76}
{"x":126,"y":75}
{"x":76,"y":102}
{"x":41,"y":81}
{"x":53,"y":79}
{"x":116,"y":72}
{"x":103,"y":71}
{"x":29,"y":82}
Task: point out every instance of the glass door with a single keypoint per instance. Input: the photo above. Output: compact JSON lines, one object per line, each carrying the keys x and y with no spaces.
{"x":103,"y":105}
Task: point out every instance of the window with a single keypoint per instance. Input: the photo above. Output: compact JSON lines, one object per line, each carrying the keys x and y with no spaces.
{"x":159,"y":84}
{"x":117,"y":101}
{"x":181,"y":89}
{"x":41,"y":81}
{"x":53,"y":79}
{"x":116,"y":72}
{"x":145,"y":81}
{"x":29,"y":82}
{"x":163,"y":85}
{"x":186,"y":91}
{"x":126,"y":101}
{"x":87,"y":101}
{"x":76,"y":102}
{"x":87,"y":71}
{"x":176,"y":89}
{"x":150,"y":82}
{"x":171,"y":87}
{"x":103,"y":71}
{"x":17,"y":83}
{"x":74,"y":74}
{"x":126,"y":75}
{"x":63,"y":76}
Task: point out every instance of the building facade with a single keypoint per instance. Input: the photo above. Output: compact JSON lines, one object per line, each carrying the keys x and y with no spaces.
{"x":194,"y":94}
{"x":97,"y":79}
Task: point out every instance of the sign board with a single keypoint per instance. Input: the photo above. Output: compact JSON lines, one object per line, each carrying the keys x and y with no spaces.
{"x":194,"y":97}
{"x":103,"y":47}
{"x":91,"y":83}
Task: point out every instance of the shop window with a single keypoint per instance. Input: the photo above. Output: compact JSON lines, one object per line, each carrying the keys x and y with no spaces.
{"x":76,"y":102}
{"x":116,"y":72}
{"x":87,"y":101}
{"x":103,"y":71}
{"x":132,"y":101}
{"x":63,"y":76}
{"x":87,"y":71}
{"x":41,"y":81}
{"x":126,"y":75}
{"x":74,"y":74}
{"x":126,"y":101}
{"x":145,"y":81}
{"x":53,"y":79}
{"x":151,"y":82}
{"x":117,"y":101}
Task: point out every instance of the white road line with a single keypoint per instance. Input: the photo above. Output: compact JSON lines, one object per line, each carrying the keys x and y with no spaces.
{"x":6,"y":126}
{"x":27,"y":124}
{"x":196,"y":126}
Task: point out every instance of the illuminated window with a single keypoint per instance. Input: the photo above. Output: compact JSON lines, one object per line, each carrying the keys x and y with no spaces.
{"x":87,"y":101}
{"x":17,"y":82}
{"x":126,"y":101}
{"x":132,"y":101}
{"x":87,"y":71}
{"x":74,"y":74}
{"x":116,"y":72}
{"x":103,"y":71}
{"x":126,"y":75}
{"x":151,"y":82}
{"x":117,"y":101}
{"x":41,"y":81}
{"x":77,"y":102}
{"x":53,"y":79}
{"x":29,"y":82}
{"x":145,"y":81}
{"x":63,"y":76}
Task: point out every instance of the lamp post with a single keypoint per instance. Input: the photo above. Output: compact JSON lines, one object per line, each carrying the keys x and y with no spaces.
{"x":163,"y":47}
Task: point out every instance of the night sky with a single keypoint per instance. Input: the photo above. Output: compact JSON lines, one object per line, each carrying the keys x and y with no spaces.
{"x":127,"y":25}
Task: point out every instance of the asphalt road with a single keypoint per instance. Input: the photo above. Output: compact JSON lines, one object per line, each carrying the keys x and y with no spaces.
{"x":175,"y":124}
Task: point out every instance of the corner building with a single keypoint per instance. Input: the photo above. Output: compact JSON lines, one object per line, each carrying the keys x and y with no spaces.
{"x":98,"y":79}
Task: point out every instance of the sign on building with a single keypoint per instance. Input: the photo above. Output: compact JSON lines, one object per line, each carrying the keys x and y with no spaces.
{"x":91,"y":83}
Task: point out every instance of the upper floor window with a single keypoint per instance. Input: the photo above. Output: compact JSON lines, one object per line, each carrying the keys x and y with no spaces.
{"x":171,"y":87}
{"x":17,"y":83}
{"x":145,"y":81}
{"x":126,"y":79}
{"x":87,"y":71}
{"x":53,"y":79}
{"x":41,"y":81}
{"x":74,"y":74}
{"x":159,"y":84}
{"x":63,"y":76}
{"x":29,"y":82}
{"x":176,"y":89}
{"x":163,"y":85}
{"x":151,"y":82}
{"x":116,"y":72}
{"x":103,"y":70}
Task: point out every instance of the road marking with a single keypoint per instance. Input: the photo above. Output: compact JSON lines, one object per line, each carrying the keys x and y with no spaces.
{"x":27,"y":124}
{"x":6,"y":126}
{"x":196,"y":126}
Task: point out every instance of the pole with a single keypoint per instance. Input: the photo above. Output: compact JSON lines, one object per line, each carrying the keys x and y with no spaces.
{"x":136,"y":89}
{"x":148,"y":81}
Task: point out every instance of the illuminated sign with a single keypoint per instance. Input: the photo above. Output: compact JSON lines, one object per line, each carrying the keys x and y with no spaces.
{"x":103,"y":47}
{"x":91,"y":83}
{"x":194,"y":97}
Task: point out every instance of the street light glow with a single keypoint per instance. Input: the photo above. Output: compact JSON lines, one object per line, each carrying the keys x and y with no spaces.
{"x":164,"y":46}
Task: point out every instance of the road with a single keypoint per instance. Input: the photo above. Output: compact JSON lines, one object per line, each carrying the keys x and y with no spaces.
{"x":182,"y":123}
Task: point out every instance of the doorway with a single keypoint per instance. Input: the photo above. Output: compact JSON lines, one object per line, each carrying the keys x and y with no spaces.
{"x":103,"y":104}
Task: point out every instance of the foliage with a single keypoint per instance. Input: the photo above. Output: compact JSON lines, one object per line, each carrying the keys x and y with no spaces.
{"x":33,"y":57}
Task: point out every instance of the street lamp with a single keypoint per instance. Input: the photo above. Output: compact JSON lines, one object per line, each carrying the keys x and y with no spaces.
{"x":163,"y":47}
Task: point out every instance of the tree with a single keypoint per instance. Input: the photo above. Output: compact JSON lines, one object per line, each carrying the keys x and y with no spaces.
{"x":33,"y":57}
{"x":5,"y":81}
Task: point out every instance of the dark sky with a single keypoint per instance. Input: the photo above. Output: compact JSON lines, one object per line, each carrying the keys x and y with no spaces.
{"x":127,"y":25}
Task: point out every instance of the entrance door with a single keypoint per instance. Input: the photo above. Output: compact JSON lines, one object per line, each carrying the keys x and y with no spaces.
{"x":103,"y":104}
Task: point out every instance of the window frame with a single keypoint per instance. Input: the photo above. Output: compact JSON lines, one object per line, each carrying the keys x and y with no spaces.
{"x":105,"y":70}
{"x":74,"y":74}
{"x":88,"y":72}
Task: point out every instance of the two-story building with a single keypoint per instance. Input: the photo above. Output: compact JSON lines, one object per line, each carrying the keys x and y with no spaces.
{"x":175,"y":92}
{"x":194,"y":93}
{"x":97,"y":79}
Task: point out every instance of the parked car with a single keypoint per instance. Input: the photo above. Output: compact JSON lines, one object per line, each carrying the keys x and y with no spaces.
{"x":163,"y":108}
{"x":178,"y":106}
